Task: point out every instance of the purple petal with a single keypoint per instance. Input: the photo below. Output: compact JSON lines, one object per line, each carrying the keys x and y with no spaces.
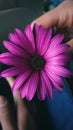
{"x":29,"y":33}
{"x":26,"y":43}
{"x":57,"y":86}
{"x":20,"y":80}
{"x":35,"y":33}
{"x":52,"y":75}
{"x":56,"y":81}
{"x":39,"y":33}
{"x":12,"y":71}
{"x":56,"y":40}
{"x":29,"y":88}
{"x":62,"y":71}
{"x":15,"y":39}
{"x":59,"y":70}
{"x":44,"y":44}
{"x":10,"y":59}
{"x":42,"y":38}
{"x":14,"y":49}
{"x":48,"y":85}
{"x":23,"y":43}
{"x":41,"y":91}
{"x":61,"y":59}
{"x":56,"y":51}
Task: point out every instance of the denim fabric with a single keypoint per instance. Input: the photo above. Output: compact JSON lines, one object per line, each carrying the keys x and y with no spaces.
{"x":60,"y":110}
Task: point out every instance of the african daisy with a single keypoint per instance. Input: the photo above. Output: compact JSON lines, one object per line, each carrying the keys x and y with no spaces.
{"x":38,"y":60}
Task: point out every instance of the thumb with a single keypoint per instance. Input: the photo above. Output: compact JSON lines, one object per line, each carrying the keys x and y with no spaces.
{"x":70,"y":43}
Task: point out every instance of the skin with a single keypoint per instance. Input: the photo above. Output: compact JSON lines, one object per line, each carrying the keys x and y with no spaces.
{"x":60,"y":17}
{"x":7,"y":118}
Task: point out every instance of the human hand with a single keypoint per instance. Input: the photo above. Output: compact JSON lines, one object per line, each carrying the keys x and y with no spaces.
{"x":22,"y":119}
{"x":7,"y":119}
{"x":60,"y":17}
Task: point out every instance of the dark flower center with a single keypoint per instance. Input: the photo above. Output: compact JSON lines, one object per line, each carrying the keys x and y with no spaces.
{"x":37,"y":63}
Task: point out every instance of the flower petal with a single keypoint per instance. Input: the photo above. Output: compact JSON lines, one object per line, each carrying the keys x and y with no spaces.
{"x":29,"y":88}
{"x":29,"y":33}
{"x":20,"y":80}
{"x":56,"y":40}
{"x":56,"y":81}
{"x":35,"y":33}
{"x":41,"y":91}
{"x":62,"y":59}
{"x":45,"y":42}
{"x":56,"y":51}
{"x":42,"y":38}
{"x":48,"y":85}
{"x":62,"y":71}
{"x":14,"y":49}
{"x":12,"y":71}
{"x":53,"y":75}
{"x":57,"y":86}
{"x":23,"y":43}
{"x":12,"y":60}
{"x":15,"y":39}
{"x":26,"y":43}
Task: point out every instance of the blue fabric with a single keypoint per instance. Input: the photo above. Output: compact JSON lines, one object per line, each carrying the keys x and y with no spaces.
{"x":56,"y":2}
{"x":60,"y":110}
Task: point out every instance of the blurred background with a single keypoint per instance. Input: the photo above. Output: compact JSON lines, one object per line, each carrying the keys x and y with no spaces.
{"x":18,"y":13}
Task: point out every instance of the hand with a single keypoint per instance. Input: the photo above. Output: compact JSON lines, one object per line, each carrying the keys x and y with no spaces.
{"x":7,"y":120}
{"x":60,"y":17}
{"x":23,"y":120}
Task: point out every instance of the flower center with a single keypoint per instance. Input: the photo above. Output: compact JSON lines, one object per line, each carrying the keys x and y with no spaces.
{"x":37,"y":63}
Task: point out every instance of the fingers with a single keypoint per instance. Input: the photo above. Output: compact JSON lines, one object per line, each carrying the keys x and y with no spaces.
{"x":24,"y":120}
{"x":48,"y":19}
{"x":71,"y":46}
{"x":6,"y":115}
{"x":25,"y":116}
{"x":61,"y":16}
{"x":20,"y":107}
{"x":21,"y":111}
{"x":10,"y":80}
{"x":21,"y":115}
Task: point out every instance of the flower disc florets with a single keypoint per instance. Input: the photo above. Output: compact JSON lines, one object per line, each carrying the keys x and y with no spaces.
{"x":37,"y":63}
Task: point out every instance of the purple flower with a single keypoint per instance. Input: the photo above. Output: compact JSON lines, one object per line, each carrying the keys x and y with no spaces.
{"x":38,"y":60}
